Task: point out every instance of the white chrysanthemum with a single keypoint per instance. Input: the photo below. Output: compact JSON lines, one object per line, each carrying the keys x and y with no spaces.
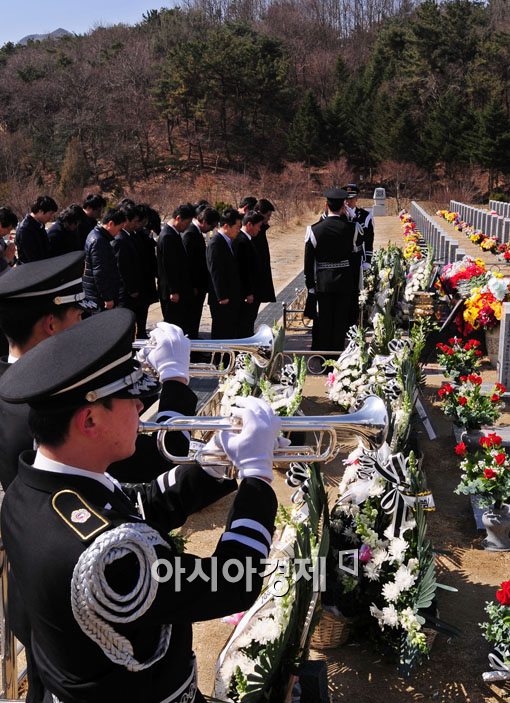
{"x":379,"y":556}
{"x":389,"y":616}
{"x":372,"y":571}
{"x":397,"y":549}
{"x":349,"y":534}
{"x":391,"y":591}
{"x":404,"y":579}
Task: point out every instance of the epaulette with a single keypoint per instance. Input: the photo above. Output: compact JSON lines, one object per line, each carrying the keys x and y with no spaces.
{"x":77,"y":514}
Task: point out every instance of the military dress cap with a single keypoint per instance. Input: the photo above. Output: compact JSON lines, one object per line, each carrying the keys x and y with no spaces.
{"x":336,"y":194}
{"x":352,"y":190}
{"x":80,"y":365}
{"x":57,"y":280}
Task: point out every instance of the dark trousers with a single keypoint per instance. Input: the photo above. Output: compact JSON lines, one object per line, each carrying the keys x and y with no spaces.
{"x":355,"y":261}
{"x":177,"y":313}
{"x":246,"y":320}
{"x":332,"y":323}
{"x":141,"y":309}
{"x":195,"y":314}
{"x":224,"y":320}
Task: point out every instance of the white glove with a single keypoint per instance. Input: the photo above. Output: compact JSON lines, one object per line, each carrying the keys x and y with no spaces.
{"x":251,"y":450}
{"x":170,"y":355}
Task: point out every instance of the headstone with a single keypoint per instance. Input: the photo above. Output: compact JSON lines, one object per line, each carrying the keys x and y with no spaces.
{"x":505,"y":237}
{"x":499,"y":227}
{"x":379,"y":207}
{"x":503,"y":365}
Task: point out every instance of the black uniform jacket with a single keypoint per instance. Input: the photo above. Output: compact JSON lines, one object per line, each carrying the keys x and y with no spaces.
{"x":101,"y":280}
{"x":223,"y":271}
{"x":44,"y":543}
{"x":194,"y":244}
{"x":174,"y":274}
{"x":15,"y":436}
{"x":328,"y":247}
{"x":366,"y":220}
{"x":31,"y":241}
{"x":249,"y":268}
{"x":128,"y":264}
{"x":266,"y":285}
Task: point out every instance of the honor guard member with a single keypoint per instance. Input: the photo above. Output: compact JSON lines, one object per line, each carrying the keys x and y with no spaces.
{"x":365,"y":219}
{"x":328,"y":247}
{"x":360,"y":257}
{"x":110,"y":622}
{"x":37,"y":300}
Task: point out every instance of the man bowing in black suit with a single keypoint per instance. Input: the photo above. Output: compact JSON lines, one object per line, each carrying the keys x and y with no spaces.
{"x":225,"y":284}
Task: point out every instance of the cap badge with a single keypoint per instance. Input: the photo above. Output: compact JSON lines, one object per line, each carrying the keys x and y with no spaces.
{"x":80,"y":516}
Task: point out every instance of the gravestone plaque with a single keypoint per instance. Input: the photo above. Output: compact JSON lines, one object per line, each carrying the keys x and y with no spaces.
{"x":503,"y":365}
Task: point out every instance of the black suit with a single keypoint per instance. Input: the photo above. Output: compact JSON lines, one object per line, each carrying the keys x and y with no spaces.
{"x":128,"y":264}
{"x":174,"y":277}
{"x":249,"y":271}
{"x":267,"y":294}
{"x":194,"y":244}
{"x":148,"y":269}
{"x":224,"y":283}
{"x":31,"y":241}
{"x":328,"y":247}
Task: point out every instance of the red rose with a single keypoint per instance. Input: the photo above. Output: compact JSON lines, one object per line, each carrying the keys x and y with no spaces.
{"x":495,"y":398}
{"x":448,"y":388}
{"x":463,"y":379}
{"x":461,"y":449}
{"x":474,"y":378}
{"x":500,"y":458}
{"x":475,"y":342}
{"x":485,"y":442}
{"x":501,"y":388}
{"x":494,"y":439}
{"x":478,"y":353}
{"x":506,"y":255}
{"x":462,"y":400}
{"x":503,"y":594}
{"x":454,"y":340}
{"x":489,"y":473}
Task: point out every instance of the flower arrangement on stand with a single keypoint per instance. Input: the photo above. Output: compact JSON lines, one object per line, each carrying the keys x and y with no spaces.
{"x":285,"y":396}
{"x":258,"y":662}
{"x":467,"y":405}
{"x":483,"y":307}
{"x":487,"y":476}
{"x":459,"y":358}
{"x":461,"y":277}
{"x":486,"y":473}
{"x":349,"y":375}
{"x":419,"y":275}
{"x":497,"y":631}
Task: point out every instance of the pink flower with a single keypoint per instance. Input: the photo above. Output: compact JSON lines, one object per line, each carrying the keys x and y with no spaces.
{"x":331,"y":379}
{"x":234,"y":619}
{"x":365,"y":553}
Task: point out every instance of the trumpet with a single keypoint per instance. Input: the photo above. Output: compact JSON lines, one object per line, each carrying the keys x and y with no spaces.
{"x":260,"y":346}
{"x":369,"y":423}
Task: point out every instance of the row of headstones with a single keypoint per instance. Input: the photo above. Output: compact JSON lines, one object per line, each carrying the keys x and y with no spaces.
{"x":502,"y":209}
{"x":493,"y":225}
{"x":446,"y":248}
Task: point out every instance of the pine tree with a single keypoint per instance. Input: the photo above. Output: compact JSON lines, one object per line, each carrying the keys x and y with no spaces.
{"x":494,"y":140}
{"x":306,"y":137}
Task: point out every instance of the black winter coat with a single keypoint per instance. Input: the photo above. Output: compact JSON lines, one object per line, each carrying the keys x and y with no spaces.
{"x":31,"y":241}
{"x":101,"y":280}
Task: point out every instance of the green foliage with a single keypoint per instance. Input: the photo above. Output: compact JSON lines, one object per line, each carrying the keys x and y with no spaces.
{"x":307,"y":132}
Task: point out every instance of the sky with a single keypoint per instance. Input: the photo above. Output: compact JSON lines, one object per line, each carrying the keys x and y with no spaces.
{"x":22,"y":17}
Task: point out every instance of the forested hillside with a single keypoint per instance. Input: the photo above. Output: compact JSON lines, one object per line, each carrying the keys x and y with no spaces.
{"x":420,"y":88}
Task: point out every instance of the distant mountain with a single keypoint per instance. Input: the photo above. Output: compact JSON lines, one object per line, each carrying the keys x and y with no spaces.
{"x":57,"y":34}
